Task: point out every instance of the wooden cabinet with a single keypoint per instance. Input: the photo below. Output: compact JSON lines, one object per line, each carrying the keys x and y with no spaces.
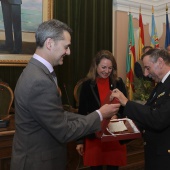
{"x":6,"y":138}
{"x":135,"y":153}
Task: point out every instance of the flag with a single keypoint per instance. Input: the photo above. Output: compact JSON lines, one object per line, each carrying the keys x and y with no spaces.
{"x":130,"y":59}
{"x":141,"y":35}
{"x":154,"y":36}
{"x":167,"y":38}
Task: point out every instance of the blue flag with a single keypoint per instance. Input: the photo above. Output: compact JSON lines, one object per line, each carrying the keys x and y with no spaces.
{"x":154,"y":36}
{"x":167,"y":38}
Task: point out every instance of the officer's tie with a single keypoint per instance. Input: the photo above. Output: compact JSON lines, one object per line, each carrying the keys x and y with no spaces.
{"x":155,"y":92}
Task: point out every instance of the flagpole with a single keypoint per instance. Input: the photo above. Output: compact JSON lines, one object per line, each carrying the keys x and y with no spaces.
{"x":140,"y":9}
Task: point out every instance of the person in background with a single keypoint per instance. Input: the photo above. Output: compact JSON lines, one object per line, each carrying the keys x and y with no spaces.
{"x":101,"y":78}
{"x":11,"y":10}
{"x":42,"y":126}
{"x":154,"y":116}
{"x":138,"y":67}
{"x":168,"y":48}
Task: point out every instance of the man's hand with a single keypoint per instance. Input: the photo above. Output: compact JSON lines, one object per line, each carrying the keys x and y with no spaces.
{"x":118,"y":94}
{"x":114,"y":117}
{"x":109,"y":110}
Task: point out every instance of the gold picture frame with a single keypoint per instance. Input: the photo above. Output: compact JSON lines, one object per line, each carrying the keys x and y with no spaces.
{"x":20,"y":60}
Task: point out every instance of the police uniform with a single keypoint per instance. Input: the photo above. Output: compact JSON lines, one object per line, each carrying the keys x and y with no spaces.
{"x":153,"y":119}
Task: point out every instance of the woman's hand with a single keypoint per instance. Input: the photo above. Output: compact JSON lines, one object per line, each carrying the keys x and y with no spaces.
{"x":80,"y":149}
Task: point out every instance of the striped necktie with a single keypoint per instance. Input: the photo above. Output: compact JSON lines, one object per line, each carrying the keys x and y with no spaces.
{"x":54,"y":77}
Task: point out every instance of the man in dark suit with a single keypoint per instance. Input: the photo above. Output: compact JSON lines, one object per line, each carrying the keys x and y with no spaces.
{"x":11,"y":10}
{"x":139,"y":68}
{"x":154,"y":116}
{"x":42,"y":126}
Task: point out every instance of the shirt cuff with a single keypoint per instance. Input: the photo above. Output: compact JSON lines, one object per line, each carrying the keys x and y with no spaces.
{"x":101,"y":117}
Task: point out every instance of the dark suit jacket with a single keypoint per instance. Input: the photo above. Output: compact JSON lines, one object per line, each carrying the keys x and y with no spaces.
{"x":154,"y":117}
{"x":42,"y":126}
{"x":89,"y":98}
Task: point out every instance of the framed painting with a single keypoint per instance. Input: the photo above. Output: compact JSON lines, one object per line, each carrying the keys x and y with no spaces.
{"x":43,"y":12}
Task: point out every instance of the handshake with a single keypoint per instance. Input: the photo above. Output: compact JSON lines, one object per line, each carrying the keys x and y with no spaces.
{"x":112,"y":103}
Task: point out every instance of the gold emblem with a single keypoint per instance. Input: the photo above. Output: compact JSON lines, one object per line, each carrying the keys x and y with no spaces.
{"x":161,"y":94}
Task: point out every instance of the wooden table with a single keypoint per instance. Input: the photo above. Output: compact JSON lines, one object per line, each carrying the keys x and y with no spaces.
{"x":135,"y":153}
{"x":6,"y":138}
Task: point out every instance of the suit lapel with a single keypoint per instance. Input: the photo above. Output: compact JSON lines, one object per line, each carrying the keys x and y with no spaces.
{"x":46,"y":72}
{"x":95,"y":93}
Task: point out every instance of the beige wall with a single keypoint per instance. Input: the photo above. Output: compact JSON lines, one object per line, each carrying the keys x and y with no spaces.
{"x":121,"y":36}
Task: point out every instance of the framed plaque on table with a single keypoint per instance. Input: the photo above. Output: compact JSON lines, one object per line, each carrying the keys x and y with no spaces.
{"x":120,"y":129}
{"x":117,"y":129}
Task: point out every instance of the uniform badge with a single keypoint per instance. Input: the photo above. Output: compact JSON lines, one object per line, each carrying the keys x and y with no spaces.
{"x":161,"y":94}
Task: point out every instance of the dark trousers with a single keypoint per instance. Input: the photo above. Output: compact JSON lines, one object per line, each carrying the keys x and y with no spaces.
{"x":12,"y":23}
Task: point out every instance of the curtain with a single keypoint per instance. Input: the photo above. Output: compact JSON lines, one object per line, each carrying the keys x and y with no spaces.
{"x":91,"y":22}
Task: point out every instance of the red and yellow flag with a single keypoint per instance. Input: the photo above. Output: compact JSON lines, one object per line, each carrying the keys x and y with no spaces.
{"x":141,"y":35}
